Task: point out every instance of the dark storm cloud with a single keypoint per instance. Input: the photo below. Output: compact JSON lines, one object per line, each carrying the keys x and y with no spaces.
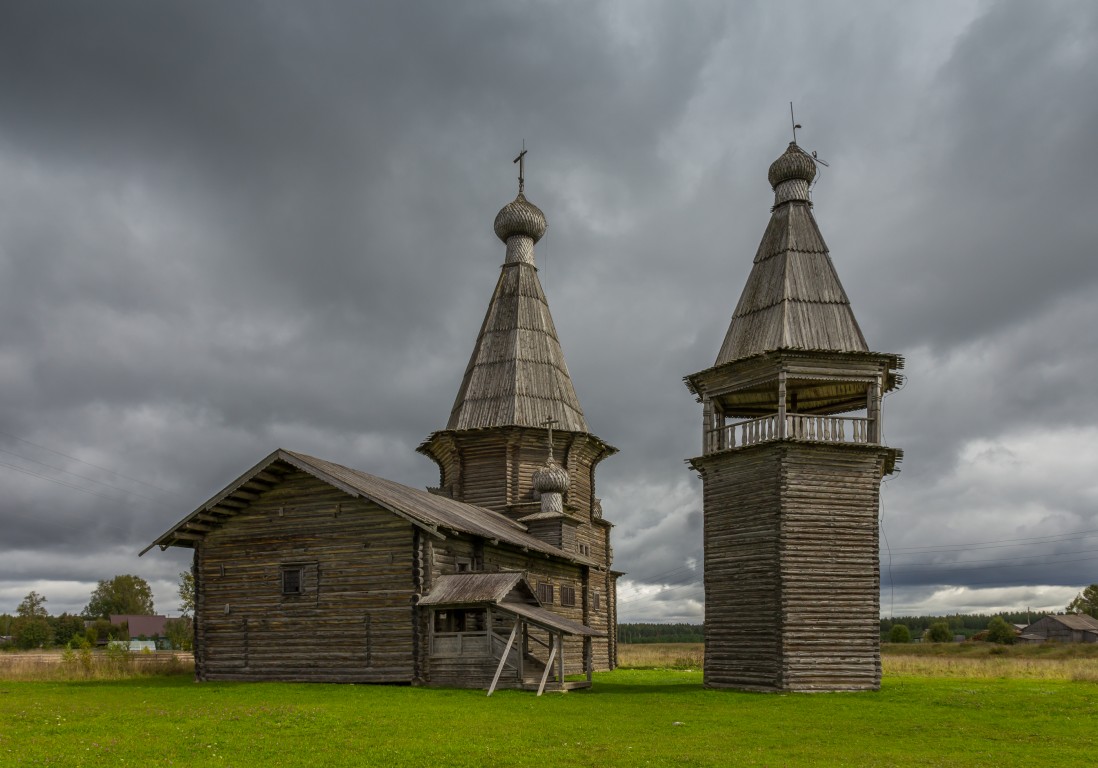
{"x":226,"y":228}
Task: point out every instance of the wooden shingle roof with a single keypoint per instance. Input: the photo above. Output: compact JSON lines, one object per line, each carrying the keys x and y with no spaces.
{"x":793,"y":298}
{"x":517,"y":375}
{"x":508,"y":591}
{"x":431,"y":512}
{"x":478,"y":587}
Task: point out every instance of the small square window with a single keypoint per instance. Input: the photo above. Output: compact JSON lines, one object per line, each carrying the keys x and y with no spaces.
{"x":291,"y":581}
{"x":545,"y":593}
{"x":567,"y":595}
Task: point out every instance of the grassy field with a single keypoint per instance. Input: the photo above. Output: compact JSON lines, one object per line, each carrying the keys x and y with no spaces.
{"x":980,"y":660}
{"x":631,"y":717}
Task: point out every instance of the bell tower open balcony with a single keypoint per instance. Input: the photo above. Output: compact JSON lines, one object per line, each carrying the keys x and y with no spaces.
{"x":827,"y":397}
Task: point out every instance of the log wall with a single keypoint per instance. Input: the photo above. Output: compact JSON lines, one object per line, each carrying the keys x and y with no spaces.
{"x":494,"y":468}
{"x":352,"y":622}
{"x":791,"y":567}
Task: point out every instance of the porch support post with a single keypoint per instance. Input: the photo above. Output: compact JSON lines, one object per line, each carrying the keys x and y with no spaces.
{"x":522,"y":649}
{"x":587,"y":661}
{"x":560,"y":660}
{"x":503,"y":658}
{"x":548,"y":663}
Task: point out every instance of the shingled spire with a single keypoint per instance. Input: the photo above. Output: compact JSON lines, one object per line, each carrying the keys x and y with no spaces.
{"x":517,"y":375}
{"x":793,"y":298}
{"x":517,"y":382}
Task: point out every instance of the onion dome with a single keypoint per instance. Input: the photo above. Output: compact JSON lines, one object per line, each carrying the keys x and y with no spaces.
{"x":520,"y":217}
{"x":794,"y":163}
{"x":550,"y":477}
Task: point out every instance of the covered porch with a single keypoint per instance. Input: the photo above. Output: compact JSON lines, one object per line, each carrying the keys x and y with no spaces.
{"x":489,"y":630}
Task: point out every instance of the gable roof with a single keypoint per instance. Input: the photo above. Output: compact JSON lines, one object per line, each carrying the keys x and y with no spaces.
{"x":793,"y":298}
{"x":149,"y":626}
{"x":425,"y":510}
{"x":1080,"y":621}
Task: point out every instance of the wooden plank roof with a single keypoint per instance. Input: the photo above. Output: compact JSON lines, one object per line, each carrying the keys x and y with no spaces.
{"x":550,"y":620}
{"x":477,"y":587}
{"x":517,"y":375}
{"x":509,"y":592}
{"x":437,"y":514}
{"x":1077,"y":621}
{"x":793,"y":298}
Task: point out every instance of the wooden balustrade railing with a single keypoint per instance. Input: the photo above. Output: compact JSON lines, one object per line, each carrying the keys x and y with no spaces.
{"x":798,"y":426}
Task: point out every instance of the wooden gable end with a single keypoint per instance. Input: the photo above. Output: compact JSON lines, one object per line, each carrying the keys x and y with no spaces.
{"x":306,"y":583}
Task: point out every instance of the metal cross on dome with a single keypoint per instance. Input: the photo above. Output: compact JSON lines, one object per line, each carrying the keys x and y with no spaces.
{"x":521,"y":160}
{"x":548,"y":423}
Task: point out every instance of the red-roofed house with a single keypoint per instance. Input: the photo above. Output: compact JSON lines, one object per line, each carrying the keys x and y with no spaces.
{"x":141,"y":626}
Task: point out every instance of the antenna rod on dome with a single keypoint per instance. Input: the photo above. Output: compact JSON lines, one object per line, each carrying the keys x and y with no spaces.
{"x":521,"y":160}
{"x":791,"y":120}
{"x":549,"y":424}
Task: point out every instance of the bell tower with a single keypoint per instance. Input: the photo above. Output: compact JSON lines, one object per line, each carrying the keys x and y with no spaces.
{"x":791,"y":464}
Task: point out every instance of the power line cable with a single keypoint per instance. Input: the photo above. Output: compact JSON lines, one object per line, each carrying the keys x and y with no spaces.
{"x":81,"y":477}
{"x":82,"y":461}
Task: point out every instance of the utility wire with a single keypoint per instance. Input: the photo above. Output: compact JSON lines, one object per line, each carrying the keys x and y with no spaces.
{"x":74,"y":458}
{"x":74,"y":474}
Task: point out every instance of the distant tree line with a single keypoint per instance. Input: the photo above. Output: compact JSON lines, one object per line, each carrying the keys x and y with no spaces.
{"x":33,"y":627}
{"x":967,"y":624}
{"x":660,"y":633}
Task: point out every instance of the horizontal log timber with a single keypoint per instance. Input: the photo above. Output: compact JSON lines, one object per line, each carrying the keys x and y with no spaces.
{"x":792,"y":569}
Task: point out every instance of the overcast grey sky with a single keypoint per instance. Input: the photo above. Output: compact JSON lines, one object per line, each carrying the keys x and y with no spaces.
{"x":231,"y":227}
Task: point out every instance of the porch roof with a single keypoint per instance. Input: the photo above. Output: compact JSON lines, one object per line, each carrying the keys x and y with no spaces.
{"x":546,"y":619}
{"x":474,"y":587}
{"x":509,"y":592}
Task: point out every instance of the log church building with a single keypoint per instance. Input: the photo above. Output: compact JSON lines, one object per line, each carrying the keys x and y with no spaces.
{"x":502,"y":576}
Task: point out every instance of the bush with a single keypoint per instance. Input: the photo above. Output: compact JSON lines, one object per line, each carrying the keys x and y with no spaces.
{"x":899,"y":634}
{"x":998,"y":631}
{"x":938,"y":632}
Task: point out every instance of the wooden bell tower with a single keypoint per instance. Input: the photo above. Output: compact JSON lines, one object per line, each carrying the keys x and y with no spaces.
{"x":792,"y":460}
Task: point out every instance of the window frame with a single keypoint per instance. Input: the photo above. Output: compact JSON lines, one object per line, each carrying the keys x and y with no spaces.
{"x":289,"y":572}
{"x":567,"y":596}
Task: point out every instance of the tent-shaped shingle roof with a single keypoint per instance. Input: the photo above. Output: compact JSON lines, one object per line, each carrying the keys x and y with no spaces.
{"x":793,"y":298}
{"x":517,"y":375}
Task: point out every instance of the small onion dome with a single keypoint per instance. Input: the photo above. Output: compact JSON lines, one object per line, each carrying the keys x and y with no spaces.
{"x":520,"y":217}
{"x":550,"y":477}
{"x":794,"y":163}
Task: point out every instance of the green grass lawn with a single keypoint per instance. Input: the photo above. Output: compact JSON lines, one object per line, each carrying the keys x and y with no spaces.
{"x":629,"y":718}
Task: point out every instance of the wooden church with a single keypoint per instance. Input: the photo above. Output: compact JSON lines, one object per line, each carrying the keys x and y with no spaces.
{"x":500,"y":577}
{"x":792,"y":460}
